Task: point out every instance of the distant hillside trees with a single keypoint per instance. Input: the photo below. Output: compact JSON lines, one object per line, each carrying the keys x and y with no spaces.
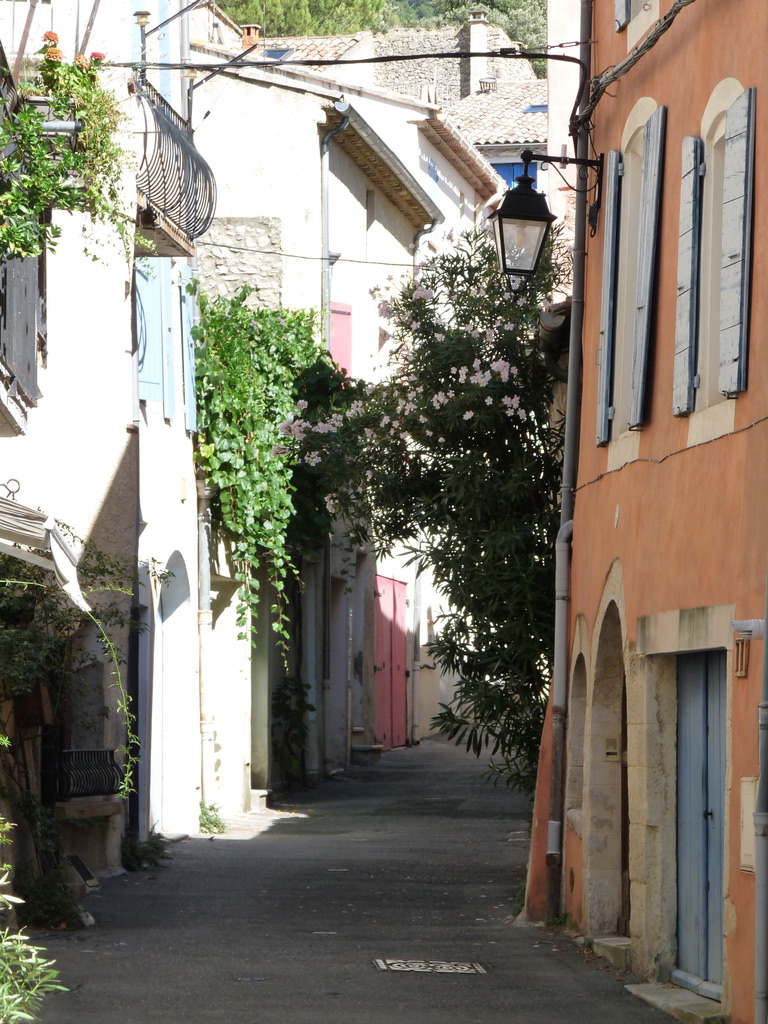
{"x":524,"y":21}
{"x":305,"y":18}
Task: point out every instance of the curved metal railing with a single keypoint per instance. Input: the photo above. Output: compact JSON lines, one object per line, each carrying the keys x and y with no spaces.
{"x":172,"y":175}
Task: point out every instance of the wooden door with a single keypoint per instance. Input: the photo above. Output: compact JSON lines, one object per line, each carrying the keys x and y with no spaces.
{"x":701,"y":724}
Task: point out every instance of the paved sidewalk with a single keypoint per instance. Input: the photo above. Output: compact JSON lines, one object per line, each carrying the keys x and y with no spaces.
{"x":282,"y":920}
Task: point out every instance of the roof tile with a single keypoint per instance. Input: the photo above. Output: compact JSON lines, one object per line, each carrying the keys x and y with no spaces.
{"x":503,"y":117}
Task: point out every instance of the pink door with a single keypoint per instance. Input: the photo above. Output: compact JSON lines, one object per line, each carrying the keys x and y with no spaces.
{"x":389,"y":662}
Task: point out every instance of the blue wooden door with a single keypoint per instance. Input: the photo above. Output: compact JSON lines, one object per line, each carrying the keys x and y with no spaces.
{"x":701,"y":723}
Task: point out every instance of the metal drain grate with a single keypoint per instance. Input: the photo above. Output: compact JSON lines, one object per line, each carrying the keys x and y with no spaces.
{"x":430,"y":966}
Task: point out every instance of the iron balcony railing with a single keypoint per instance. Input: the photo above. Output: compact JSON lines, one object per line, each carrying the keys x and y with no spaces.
{"x":172,"y":175}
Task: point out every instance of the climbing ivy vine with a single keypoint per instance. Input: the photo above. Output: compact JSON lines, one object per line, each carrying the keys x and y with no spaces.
{"x":247,"y":364}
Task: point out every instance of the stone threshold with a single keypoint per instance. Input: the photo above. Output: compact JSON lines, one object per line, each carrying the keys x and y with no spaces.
{"x":680,"y":1003}
{"x":685,"y":1006}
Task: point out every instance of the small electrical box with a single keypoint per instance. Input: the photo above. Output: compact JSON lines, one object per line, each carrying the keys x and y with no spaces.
{"x":612,"y":752}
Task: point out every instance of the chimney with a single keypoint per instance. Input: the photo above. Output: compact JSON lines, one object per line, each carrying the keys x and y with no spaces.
{"x":251,"y":35}
{"x":478,"y":43}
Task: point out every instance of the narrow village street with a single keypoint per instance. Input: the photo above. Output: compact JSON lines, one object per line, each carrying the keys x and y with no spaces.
{"x":283,"y":919}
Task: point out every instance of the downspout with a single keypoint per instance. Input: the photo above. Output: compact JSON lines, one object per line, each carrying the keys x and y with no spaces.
{"x":325,"y":173}
{"x":420,"y":234}
{"x":325,"y":303}
{"x":205,"y":628}
{"x":326,"y":661}
{"x":562,"y":549}
{"x":760,"y":820}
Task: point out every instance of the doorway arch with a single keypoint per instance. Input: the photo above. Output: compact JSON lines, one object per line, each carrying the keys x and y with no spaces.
{"x":605,"y":816}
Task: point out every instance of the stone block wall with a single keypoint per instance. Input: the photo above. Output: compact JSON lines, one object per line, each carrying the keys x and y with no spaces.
{"x":239,"y":251}
{"x":449,"y":77}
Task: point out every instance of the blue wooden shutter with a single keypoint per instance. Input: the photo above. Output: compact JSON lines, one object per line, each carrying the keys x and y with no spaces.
{"x":688,"y":252}
{"x":736,"y":244}
{"x":650,"y":197}
{"x":148,"y":329}
{"x":169,"y":369}
{"x":612,"y":185}
{"x":623,"y":13}
{"x":188,"y":347}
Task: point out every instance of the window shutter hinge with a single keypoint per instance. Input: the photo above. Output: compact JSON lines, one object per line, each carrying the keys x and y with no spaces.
{"x":620,"y":169}
{"x":697,"y":381}
{"x":611,"y":411}
{"x":702,"y":168}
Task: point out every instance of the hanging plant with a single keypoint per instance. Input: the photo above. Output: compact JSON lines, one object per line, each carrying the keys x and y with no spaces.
{"x":247,"y":364}
{"x":43,"y":171}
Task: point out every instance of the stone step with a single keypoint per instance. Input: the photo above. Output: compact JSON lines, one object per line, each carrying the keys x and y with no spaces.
{"x":679,"y":1003}
{"x":616,"y":949}
{"x":259,"y":800}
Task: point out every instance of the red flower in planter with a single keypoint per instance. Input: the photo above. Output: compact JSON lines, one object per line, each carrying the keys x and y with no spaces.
{"x":50,"y":37}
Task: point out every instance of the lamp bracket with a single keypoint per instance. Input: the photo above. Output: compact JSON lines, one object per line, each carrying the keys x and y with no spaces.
{"x":529,"y":157}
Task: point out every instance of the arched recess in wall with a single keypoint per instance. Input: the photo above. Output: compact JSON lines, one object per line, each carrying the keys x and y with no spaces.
{"x":577,"y":711}
{"x":713,"y":130}
{"x":606,"y":819}
{"x":175,"y":591}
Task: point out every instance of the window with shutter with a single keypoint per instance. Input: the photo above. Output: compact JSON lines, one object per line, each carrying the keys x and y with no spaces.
{"x":629,"y":202}
{"x":147,"y":317}
{"x":623,"y":13}
{"x":642,"y":15}
{"x":169,"y":369}
{"x":153,"y":326}
{"x":341,"y":335}
{"x":653,"y":161}
{"x":736,"y":242}
{"x":612,"y":186}
{"x":689,"y":246}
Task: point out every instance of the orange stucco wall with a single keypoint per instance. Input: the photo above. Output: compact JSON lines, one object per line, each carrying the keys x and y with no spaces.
{"x":688,"y":525}
{"x":536,"y":887}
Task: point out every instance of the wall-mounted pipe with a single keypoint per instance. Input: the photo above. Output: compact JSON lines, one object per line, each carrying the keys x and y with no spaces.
{"x":567,"y":494}
{"x":325,"y":176}
{"x":760,"y":821}
{"x":420,"y":234}
{"x":205,"y":629}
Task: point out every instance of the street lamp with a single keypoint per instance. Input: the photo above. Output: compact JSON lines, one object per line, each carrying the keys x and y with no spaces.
{"x":143,"y":18}
{"x":521,"y":224}
{"x":520,"y":228}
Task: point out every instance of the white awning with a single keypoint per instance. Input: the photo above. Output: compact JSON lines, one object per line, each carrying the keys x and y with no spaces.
{"x":29,"y":528}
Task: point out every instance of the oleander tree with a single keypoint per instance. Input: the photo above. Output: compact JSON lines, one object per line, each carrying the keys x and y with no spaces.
{"x":454,"y":459}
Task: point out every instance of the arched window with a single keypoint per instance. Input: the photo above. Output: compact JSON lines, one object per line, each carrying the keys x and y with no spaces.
{"x":714,"y":254}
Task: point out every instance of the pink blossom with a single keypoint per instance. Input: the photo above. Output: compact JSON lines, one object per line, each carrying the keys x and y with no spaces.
{"x":501,"y":366}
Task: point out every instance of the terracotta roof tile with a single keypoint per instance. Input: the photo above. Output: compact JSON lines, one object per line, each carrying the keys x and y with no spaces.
{"x":504,"y":117}
{"x":312,"y":47}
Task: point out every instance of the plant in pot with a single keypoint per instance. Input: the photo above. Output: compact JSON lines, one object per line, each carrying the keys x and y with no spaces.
{"x":44,"y":170}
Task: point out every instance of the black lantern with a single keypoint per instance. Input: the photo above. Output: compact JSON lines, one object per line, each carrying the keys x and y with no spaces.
{"x":520,"y":228}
